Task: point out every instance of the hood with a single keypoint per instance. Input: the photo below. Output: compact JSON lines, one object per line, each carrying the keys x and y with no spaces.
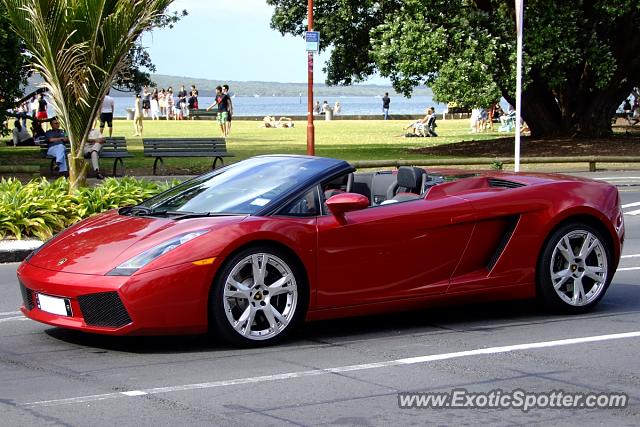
{"x":103,"y":242}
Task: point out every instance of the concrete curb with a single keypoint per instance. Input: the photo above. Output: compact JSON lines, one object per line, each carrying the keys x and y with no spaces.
{"x":17,"y":250}
{"x":17,"y":255}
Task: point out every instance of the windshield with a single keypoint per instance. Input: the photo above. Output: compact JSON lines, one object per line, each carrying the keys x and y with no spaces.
{"x":242,"y":188}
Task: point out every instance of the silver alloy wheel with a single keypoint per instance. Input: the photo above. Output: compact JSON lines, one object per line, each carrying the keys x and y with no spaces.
{"x":260,"y":296}
{"x":578,"y":268}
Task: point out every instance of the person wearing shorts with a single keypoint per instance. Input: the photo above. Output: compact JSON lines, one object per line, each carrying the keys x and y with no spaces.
{"x":223,"y":110}
{"x":225,"y":90}
{"x":106,"y":114}
{"x":41,"y":114}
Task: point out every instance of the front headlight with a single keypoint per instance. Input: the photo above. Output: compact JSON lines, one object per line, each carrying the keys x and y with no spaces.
{"x":134,"y":264}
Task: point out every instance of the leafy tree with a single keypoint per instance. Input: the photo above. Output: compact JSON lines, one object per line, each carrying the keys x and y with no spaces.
{"x":138,"y":65}
{"x":78,"y":46}
{"x":580,"y":58}
{"x":13,"y":74}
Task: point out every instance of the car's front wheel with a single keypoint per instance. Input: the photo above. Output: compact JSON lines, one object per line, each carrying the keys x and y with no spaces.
{"x":574,"y":268}
{"x":259,"y":296}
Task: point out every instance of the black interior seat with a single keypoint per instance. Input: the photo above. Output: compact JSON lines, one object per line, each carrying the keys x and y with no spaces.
{"x":339,"y":185}
{"x":409,"y":184}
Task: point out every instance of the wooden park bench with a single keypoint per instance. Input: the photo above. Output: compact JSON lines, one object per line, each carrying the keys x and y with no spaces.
{"x":201,"y":113}
{"x":113,"y":148}
{"x":185,"y":147}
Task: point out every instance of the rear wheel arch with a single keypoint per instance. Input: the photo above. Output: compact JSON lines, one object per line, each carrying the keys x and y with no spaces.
{"x":588,"y":219}
{"x":569,"y":227}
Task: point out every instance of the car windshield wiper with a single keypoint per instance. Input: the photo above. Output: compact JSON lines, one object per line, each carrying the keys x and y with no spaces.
{"x":183,"y":214}
{"x":135,"y":210}
{"x":177,"y":215}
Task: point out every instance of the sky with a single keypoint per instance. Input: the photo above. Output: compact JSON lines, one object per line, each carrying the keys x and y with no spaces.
{"x":231,"y":40}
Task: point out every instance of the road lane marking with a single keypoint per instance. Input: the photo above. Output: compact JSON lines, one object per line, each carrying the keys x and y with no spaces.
{"x":13,"y":313}
{"x":628,"y":205}
{"x":628,"y":268}
{"x":13,"y":319}
{"x":631,"y":256}
{"x":636,"y":212}
{"x":339,"y":369}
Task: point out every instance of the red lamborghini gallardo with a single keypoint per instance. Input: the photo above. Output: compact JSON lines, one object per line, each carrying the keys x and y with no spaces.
{"x":251,"y":250}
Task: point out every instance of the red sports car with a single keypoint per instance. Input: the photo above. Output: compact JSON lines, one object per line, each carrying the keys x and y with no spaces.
{"x":253,"y":249}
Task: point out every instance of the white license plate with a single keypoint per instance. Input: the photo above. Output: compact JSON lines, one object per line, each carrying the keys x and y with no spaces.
{"x":54,"y":305}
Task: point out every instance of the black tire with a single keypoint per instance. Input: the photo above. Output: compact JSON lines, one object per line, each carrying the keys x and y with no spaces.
{"x":563,"y":270}
{"x":248,"y":312}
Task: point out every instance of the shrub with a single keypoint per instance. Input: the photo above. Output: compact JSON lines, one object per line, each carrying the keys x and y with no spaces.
{"x":42,"y":208}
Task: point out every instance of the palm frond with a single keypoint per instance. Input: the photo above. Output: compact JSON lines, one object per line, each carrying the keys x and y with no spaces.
{"x":78,"y":46}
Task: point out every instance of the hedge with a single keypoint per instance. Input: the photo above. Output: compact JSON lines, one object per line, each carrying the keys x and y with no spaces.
{"x":42,"y":208}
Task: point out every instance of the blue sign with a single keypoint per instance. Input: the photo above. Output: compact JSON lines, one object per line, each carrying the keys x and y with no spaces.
{"x":313,"y":41}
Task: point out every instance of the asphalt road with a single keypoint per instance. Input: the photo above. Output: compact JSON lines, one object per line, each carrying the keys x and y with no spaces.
{"x":346,"y":372}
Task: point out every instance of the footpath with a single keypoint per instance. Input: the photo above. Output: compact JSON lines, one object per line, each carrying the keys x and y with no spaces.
{"x":17,"y":250}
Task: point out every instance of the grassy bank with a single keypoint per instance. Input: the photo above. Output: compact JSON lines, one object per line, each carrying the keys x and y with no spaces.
{"x":345,"y":139}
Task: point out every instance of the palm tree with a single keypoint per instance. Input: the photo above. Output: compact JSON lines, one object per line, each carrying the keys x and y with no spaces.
{"x":78,"y":46}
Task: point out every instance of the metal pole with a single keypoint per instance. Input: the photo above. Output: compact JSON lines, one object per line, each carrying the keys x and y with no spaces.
{"x":519,"y":22}
{"x":311,"y":144}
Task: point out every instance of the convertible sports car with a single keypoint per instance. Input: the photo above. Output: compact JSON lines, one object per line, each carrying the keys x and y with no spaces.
{"x":251,"y":250}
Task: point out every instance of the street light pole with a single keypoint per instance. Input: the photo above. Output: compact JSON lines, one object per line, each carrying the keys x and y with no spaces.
{"x":311,"y":144}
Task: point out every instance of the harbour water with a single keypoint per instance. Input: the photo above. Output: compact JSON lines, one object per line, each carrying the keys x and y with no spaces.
{"x":297,"y":106}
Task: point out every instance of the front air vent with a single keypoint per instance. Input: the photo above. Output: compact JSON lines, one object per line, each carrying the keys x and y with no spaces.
{"x":27,"y":297}
{"x":503,"y":183}
{"x":104,"y":309}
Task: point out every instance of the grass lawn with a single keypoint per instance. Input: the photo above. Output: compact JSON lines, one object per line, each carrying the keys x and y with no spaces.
{"x":349,"y":140}
{"x":343,"y":139}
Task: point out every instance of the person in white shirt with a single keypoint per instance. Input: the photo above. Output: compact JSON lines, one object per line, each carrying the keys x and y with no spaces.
{"x":21,"y":135}
{"x":106,"y":113}
{"x":92,"y":150}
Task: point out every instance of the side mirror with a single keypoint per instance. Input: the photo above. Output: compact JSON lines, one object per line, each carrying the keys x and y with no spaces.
{"x":346,"y":202}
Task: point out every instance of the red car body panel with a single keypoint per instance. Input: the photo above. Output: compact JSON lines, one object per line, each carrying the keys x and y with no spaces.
{"x":465,"y":240}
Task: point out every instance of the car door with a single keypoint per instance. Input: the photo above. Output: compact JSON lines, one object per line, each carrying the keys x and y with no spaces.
{"x":400,"y":250}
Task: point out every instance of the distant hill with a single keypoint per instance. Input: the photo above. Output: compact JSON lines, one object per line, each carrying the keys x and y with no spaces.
{"x":206,"y":87}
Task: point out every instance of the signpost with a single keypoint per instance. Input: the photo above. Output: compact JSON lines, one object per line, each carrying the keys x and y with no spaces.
{"x":519,"y":22}
{"x":313,"y":41}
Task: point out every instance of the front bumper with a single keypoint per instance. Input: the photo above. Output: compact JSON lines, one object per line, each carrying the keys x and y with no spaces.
{"x":164,"y":301}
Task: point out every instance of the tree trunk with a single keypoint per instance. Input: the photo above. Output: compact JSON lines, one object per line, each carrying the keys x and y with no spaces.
{"x":78,"y":169}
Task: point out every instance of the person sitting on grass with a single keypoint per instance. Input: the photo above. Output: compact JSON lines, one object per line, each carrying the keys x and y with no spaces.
{"x":55,"y":139}
{"x":431,"y":122}
{"x":422,"y":127}
{"x":271,"y":122}
{"x":20,"y":135}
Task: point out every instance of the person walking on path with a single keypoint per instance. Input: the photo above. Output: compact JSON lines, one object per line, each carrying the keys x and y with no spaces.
{"x":106,"y":113}
{"x":385,"y":105}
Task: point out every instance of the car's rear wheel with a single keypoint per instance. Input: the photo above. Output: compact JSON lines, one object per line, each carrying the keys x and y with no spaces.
{"x":259,"y":296}
{"x":574,"y":268}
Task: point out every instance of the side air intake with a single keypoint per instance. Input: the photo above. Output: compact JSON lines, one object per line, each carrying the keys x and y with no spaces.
{"x":503,"y":183}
